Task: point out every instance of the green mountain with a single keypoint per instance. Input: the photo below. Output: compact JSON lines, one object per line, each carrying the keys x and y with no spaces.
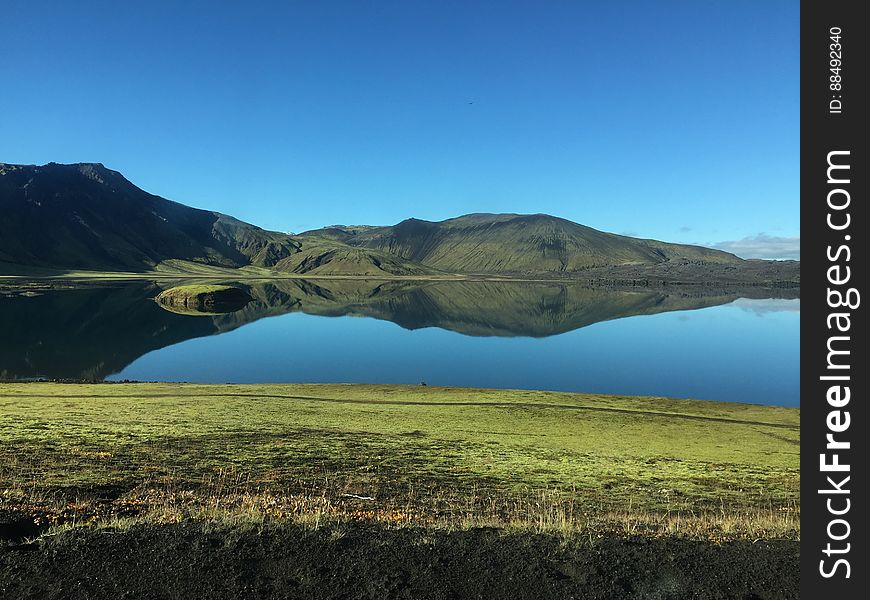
{"x":87,"y":217}
{"x":515,"y":244}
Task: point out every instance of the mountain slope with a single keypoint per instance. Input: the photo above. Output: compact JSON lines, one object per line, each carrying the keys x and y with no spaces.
{"x":319,"y":256}
{"x":508,"y":243}
{"x":85,"y":216}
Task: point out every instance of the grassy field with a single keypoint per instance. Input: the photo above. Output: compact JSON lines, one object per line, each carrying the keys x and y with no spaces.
{"x":407,"y":455}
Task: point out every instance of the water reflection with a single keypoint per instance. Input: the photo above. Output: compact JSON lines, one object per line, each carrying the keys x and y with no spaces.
{"x":93,"y":332}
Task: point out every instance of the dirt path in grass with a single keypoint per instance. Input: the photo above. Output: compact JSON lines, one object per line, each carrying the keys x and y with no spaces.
{"x":366,"y":561}
{"x":627,"y":411}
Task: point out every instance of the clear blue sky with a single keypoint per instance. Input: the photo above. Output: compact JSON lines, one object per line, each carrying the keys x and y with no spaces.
{"x":673,"y":120}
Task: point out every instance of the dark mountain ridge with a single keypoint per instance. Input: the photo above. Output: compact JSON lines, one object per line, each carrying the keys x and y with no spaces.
{"x":85,"y":216}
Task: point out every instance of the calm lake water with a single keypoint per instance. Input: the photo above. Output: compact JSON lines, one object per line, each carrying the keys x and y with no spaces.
{"x":508,"y":335}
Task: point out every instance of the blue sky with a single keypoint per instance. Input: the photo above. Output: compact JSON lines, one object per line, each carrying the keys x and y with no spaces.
{"x":672,"y":120}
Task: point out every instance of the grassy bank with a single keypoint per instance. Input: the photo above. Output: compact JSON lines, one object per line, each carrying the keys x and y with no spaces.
{"x":407,"y":455}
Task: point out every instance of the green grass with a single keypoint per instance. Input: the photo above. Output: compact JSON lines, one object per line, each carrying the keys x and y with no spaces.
{"x":175,"y":269}
{"x":182,"y":292}
{"x":424,"y":454}
{"x":196,"y":289}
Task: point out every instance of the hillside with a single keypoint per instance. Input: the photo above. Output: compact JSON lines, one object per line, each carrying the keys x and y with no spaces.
{"x":323,"y":256}
{"x":85,"y":217}
{"x":509,"y":243}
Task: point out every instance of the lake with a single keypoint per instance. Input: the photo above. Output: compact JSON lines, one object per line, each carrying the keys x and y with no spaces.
{"x":695,"y":343}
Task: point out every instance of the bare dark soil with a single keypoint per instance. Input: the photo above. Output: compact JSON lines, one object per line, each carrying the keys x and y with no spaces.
{"x":367,"y":561}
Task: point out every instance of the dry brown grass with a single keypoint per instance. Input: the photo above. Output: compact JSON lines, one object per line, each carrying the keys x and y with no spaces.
{"x":230,"y":498}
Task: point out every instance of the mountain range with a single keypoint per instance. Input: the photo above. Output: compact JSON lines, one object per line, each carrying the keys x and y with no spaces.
{"x":86,"y":217}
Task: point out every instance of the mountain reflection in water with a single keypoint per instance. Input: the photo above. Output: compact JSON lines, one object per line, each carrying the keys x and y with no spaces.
{"x":95,"y":331}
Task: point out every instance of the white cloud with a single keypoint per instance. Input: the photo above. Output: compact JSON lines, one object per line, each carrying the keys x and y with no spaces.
{"x":763,"y":246}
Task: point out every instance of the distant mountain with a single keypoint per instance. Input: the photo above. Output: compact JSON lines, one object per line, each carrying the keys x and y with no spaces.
{"x":87,"y":217}
{"x":514,"y":244}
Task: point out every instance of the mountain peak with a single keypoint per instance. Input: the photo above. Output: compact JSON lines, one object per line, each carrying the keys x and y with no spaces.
{"x":415,"y":222}
{"x":92,"y":170}
{"x":96,"y":171}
